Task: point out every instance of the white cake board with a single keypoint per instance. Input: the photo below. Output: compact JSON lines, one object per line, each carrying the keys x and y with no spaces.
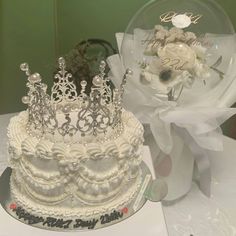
{"x":149,"y":221}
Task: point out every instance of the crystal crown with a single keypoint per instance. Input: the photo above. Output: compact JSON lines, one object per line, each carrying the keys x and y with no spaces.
{"x":69,"y":116}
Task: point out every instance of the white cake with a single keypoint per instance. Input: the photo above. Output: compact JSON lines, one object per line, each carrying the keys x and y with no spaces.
{"x":70,"y":177}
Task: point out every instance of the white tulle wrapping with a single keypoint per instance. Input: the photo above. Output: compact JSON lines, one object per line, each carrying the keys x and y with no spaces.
{"x":200,"y":114}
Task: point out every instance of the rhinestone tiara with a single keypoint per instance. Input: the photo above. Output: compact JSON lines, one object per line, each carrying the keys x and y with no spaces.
{"x":69,"y":116}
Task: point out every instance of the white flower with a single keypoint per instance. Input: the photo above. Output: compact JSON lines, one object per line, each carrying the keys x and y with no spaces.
{"x":199,"y":50}
{"x":151,"y":48}
{"x":186,"y":79}
{"x":178,"y":55}
{"x":159,"y":28}
{"x":156,"y":67}
{"x":190,"y":36}
{"x":163,"y":87}
{"x":177,"y":60}
{"x":175,"y":35}
{"x":201,"y":70}
{"x":157,"y":41}
{"x":164,"y":78}
{"x":160,"y":35}
{"x":175,"y":30}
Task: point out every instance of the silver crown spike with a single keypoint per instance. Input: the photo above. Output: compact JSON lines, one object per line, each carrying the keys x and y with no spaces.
{"x":63,"y":90}
{"x":41,"y":115}
{"x":25,"y":67}
{"x":62,"y":63}
{"x":35,"y":78}
{"x":83,"y":84}
{"x":83,"y":96}
{"x":102,"y":68}
{"x":106,"y":89}
{"x":32,"y":78}
{"x":62,"y":66}
{"x":127,"y":75}
{"x":97,"y":81}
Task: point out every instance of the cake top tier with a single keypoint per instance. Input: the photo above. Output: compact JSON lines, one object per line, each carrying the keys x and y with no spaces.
{"x":71,"y":115}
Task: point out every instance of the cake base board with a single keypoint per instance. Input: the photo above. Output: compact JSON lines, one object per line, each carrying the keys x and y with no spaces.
{"x":59,"y":224}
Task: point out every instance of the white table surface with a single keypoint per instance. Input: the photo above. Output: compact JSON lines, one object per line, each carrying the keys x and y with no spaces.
{"x":148,"y":221}
{"x":201,"y":216}
{"x":195,"y":213}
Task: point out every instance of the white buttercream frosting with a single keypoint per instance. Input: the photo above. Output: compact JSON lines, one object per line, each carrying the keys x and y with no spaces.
{"x":92,"y":174}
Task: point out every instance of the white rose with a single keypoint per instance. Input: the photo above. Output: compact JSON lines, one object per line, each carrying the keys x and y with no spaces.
{"x":199,"y":50}
{"x":187,"y":79}
{"x":179,"y":56}
{"x":190,"y":36}
{"x":176,"y":30}
{"x":160,"y":35}
{"x":202,"y":71}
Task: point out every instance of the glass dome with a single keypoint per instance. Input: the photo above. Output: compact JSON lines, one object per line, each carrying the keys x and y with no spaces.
{"x":173,"y":46}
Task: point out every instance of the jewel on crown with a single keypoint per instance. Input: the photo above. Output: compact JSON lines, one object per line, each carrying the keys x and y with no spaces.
{"x":68,"y":115}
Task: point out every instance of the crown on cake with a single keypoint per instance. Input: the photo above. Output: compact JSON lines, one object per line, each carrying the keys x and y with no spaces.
{"x":71,"y":116}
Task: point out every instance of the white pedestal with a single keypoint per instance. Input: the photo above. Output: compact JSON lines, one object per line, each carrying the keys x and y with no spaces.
{"x":149,"y":221}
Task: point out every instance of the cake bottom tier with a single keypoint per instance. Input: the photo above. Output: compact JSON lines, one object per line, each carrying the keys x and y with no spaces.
{"x":83,"y":217}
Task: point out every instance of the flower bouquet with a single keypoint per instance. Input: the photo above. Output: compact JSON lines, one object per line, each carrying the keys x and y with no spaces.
{"x":177,"y":60}
{"x":182,"y":87}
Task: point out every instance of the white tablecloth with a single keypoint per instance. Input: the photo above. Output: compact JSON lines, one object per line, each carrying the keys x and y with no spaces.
{"x":194,"y":214}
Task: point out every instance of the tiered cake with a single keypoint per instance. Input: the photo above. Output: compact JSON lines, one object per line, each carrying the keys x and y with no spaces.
{"x":75,"y":158}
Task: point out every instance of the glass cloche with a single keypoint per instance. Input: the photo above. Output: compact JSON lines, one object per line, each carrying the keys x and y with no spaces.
{"x":179,"y":48}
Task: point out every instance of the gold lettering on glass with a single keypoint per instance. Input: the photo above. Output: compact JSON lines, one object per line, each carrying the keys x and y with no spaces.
{"x":175,"y":63}
{"x":167,"y":16}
